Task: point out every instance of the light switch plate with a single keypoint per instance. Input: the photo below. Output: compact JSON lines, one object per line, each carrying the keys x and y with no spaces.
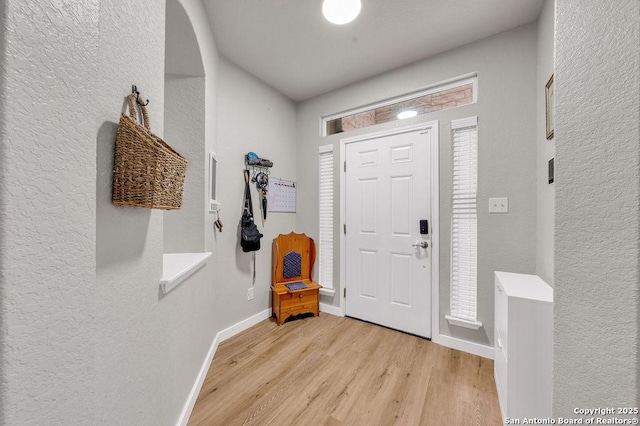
{"x":499,"y":205}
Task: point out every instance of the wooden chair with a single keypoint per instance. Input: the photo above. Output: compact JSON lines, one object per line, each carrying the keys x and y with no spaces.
{"x":293,"y":258}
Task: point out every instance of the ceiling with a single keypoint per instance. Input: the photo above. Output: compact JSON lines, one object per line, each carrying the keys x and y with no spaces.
{"x":290,"y":46}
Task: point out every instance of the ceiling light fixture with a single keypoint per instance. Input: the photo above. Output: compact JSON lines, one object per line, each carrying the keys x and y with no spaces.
{"x":341,"y":12}
{"x":407,"y":113}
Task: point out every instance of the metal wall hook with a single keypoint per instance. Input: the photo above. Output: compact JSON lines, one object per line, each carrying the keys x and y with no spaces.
{"x":134,"y":89}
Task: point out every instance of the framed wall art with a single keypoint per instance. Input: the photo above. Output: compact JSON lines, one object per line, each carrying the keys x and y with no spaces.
{"x":549,"y":96}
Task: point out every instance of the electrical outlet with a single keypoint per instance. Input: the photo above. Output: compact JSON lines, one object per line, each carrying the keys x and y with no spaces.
{"x":250,"y":293}
{"x":499,"y":205}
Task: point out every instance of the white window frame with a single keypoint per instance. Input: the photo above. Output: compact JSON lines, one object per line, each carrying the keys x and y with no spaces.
{"x":451,"y":83}
{"x":325,"y":219}
{"x":464,"y":241}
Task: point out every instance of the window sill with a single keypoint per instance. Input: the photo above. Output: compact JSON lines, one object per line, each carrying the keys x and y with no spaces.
{"x":328,"y":292}
{"x":474,"y":325}
{"x":177,"y":267}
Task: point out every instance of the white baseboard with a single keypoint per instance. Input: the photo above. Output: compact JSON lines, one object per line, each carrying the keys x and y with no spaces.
{"x":243,"y":325}
{"x":330,"y":309}
{"x":327,"y":292}
{"x":465,"y":346}
{"x":195,"y":390}
{"x":221,"y":336}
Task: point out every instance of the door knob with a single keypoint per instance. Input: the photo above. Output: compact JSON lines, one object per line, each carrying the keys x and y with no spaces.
{"x":421,"y":244}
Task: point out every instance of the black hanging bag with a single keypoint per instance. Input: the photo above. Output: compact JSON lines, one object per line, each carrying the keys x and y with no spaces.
{"x":249,"y":233}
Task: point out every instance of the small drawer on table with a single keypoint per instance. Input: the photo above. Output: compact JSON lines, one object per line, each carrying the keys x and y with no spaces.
{"x":299,"y":299}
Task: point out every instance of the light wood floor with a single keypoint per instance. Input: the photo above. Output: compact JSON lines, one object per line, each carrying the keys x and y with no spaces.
{"x":340,"y":371}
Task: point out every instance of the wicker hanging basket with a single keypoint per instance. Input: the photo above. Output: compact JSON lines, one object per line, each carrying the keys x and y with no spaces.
{"x":147,"y":171}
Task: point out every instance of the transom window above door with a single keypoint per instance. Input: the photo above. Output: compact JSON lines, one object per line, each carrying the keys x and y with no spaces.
{"x":457,"y":92}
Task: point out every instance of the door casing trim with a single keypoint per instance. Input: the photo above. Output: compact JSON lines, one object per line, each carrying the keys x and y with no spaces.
{"x":433,"y":127}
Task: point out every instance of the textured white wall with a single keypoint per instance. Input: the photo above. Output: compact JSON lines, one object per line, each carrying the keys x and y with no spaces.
{"x":184,"y":118}
{"x":86,"y":336}
{"x":48,"y":212}
{"x":251,"y":117}
{"x":47,"y":245}
{"x":150,"y":347}
{"x":129,"y":335}
{"x":182,"y":50}
{"x":506,"y":66}
{"x":184,"y":128}
{"x":545,"y":148}
{"x":197,"y":16}
{"x":597,"y":228}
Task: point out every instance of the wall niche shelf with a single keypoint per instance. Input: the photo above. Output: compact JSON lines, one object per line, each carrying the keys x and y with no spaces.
{"x":177,"y":267}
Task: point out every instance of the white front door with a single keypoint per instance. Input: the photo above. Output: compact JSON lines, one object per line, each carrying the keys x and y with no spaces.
{"x":388,"y":269}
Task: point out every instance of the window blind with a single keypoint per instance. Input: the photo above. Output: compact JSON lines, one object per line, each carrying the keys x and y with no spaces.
{"x":464,"y":221}
{"x":325,"y":261}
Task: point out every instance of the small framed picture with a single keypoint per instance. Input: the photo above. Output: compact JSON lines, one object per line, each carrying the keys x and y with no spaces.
{"x":551,"y":171}
{"x":549,"y":102}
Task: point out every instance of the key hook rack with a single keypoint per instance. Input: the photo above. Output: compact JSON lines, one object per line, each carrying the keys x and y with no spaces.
{"x":257,"y":165}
